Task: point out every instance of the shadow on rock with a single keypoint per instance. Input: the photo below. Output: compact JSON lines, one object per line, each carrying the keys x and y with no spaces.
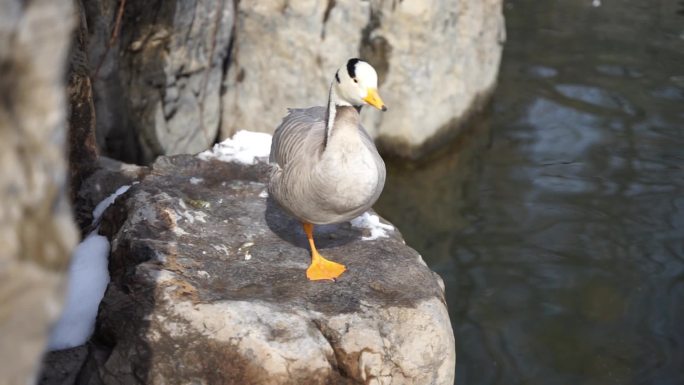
{"x":290,"y":229}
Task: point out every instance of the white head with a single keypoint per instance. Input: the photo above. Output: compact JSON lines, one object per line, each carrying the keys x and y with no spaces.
{"x":356,"y":84}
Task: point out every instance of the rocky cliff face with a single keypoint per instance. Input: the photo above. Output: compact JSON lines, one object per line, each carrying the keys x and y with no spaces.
{"x":169,"y":74}
{"x":36,"y":229}
{"x":208,"y":286}
{"x":437,"y":62}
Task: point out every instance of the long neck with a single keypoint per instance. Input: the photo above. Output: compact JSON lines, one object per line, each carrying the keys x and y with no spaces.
{"x":331,"y":112}
{"x":335,"y":105}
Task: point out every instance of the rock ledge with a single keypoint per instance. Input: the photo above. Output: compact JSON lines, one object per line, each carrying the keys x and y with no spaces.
{"x":208,"y":286}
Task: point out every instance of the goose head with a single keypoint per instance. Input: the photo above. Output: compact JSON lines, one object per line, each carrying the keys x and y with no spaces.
{"x":356,"y":84}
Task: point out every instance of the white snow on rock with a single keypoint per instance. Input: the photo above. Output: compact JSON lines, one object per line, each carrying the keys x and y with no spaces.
{"x":195,"y":180}
{"x":244,"y":147}
{"x":88,"y":279}
{"x":372,"y":223}
{"x":102,"y":206}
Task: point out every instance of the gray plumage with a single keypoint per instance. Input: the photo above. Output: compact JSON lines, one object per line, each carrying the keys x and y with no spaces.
{"x":324,"y":181}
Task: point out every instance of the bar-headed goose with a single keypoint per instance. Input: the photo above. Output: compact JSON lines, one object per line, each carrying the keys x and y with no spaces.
{"x":326,"y":167}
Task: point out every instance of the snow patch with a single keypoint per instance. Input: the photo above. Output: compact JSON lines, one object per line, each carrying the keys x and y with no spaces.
{"x":194,"y":180}
{"x":244,"y":147}
{"x":102,"y":206}
{"x":88,"y":279}
{"x":372,"y":223}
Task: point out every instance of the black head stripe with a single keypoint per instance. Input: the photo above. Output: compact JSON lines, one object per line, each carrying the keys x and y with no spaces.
{"x":351,"y":67}
{"x":337,"y":77}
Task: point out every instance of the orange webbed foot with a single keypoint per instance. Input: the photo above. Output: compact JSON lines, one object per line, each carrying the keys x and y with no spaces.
{"x":322,"y":268}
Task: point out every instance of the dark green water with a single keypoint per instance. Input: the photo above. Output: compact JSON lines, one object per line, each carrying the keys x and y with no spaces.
{"x":558,"y":223}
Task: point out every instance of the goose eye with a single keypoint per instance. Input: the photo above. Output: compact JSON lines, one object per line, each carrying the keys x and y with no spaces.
{"x":355,"y":81}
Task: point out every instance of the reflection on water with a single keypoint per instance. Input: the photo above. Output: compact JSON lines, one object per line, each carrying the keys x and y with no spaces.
{"x":558,"y":225}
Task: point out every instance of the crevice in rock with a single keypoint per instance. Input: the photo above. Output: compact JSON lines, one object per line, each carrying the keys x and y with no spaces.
{"x":326,"y":15}
{"x":82,"y":147}
{"x":116,"y":29}
{"x":332,"y":338}
{"x":188,"y":33}
{"x":210,"y":66}
{"x":374,"y":48}
{"x":8,"y":83}
{"x":225,"y":66}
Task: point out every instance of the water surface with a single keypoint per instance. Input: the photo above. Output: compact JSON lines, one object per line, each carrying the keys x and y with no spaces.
{"x":557,"y":223}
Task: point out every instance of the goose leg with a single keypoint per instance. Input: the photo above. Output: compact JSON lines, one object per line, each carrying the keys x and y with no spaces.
{"x":320,"y":267}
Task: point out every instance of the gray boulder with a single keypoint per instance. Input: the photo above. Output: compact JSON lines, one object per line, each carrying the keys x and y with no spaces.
{"x":37,"y":232}
{"x":208,"y":286}
{"x":437,"y":63}
{"x":157,"y":83}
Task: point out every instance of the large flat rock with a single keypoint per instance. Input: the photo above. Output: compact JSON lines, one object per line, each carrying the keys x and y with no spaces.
{"x":208,"y":286}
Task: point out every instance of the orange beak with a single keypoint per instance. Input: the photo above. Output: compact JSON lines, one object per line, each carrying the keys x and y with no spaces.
{"x":374,"y":99}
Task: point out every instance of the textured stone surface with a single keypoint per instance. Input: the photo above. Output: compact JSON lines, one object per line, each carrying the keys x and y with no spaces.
{"x":108,"y":175}
{"x":62,"y":367}
{"x":171,"y":73}
{"x":37,"y":232}
{"x":81,"y":134}
{"x":157,"y":87}
{"x":208,"y":286}
{"x":437,"y":62}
